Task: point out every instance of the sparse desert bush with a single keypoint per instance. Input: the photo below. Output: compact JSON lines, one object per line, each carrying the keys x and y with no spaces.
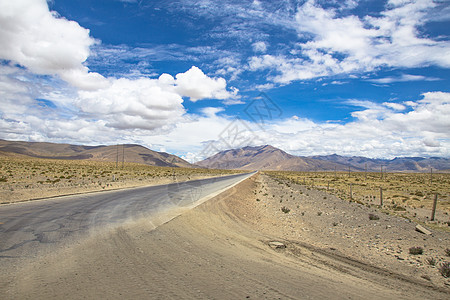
{"x":373,"y":217}
{"x":399,"y":208}
{"x":431,"y":261}
{"x":416,"y":250}
{"x":444,"y":269}
{"x":447,"y":251}
{"x":285,"y":209}
{"x":408,"y":190}
{"x":319,"y":213}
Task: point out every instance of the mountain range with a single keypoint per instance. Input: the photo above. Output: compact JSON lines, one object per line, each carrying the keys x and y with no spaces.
{"x":127,"y":152}
{"x":270,"y":158}
{"x":247,"y":158}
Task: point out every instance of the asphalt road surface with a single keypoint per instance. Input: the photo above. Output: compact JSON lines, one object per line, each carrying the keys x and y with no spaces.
{"x":31,"y":227}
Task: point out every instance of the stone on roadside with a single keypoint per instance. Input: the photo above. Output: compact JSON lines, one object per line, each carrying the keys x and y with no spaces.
{"x":277,"y":245}
{"x":423,"y":230}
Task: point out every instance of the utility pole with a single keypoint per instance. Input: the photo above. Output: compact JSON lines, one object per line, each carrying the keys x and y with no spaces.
{"x":381,"y":196}
{"x":117,"y":156}
{"x":433,"y":210}
{"x":123,"y":155}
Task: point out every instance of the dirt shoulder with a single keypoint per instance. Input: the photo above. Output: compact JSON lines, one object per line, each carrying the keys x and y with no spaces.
{"x":218,"y":250}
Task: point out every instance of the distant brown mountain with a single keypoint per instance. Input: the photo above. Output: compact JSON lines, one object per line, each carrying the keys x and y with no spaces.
{"x":127,"y":152}
{"x":266,"y":158}
{"x":271,"y":158}
{"x":400,"y":164}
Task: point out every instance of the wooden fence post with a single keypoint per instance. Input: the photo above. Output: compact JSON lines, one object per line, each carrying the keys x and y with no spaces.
{"x":381,"y":196}
{"x":433,"y":210}
{"x":351,"y":194}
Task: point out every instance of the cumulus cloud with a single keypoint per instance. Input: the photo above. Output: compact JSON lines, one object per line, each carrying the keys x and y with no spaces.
{"x":339,"y":43}
{"x":43,"y":43}
{"x":46,"y":44}
{"x":141,"y":103}
{"x":196,"y":85}
{"x":379,"y":130}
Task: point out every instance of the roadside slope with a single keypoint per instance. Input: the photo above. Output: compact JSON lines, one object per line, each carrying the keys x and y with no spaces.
{"x":212,"y":251}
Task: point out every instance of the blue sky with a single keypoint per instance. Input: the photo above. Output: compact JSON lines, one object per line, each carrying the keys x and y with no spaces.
{"x":354,"y":77}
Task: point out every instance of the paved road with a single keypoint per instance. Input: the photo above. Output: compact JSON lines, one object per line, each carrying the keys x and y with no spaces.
{"x":28,"y":227}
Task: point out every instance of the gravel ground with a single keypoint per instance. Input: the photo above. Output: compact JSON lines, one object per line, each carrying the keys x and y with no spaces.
{"x":325,"y":221}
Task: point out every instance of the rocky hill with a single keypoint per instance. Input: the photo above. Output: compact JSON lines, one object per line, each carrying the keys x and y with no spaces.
{"x":270,"y":158}
{"x":127,"y":152}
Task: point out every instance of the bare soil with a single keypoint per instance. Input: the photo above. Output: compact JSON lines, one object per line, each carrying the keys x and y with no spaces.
{"x":220,"y":250}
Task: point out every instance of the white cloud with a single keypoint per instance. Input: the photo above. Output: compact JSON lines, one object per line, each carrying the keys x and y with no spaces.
{"x":259,"y":47}
{"x":383,"y":131}
{"x":46,"y":44}
{"x":212,"y":112}
{"x":196,"y":85}
{"x":343,"y":44}
{"x":395,"y":106}
{"x":141,"y":103}
{"x":402,"y":78}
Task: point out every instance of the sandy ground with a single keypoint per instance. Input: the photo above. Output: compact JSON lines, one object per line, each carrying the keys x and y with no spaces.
{"x":220,"y":250}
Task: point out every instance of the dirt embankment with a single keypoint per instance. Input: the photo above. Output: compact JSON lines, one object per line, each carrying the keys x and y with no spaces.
{"x":219,"y":250}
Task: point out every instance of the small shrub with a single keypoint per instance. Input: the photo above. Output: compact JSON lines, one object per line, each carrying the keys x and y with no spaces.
{"x":431,"y":261}
{"x":445,"y":269}
{"x":319,"y":213}
{"x":285,"y":209}
{"x":373,"y":217}
{"x":447,"y":251}
{"x":399,"y":208}
{"x":416,"y":250}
